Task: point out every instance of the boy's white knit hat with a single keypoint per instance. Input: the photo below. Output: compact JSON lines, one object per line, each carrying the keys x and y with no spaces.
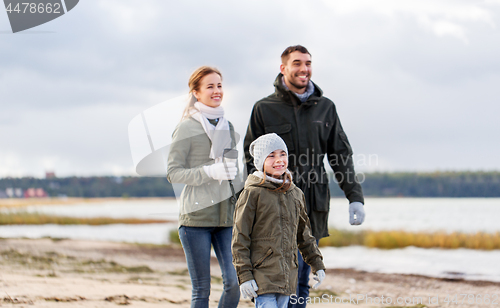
{"x":261,"y":147}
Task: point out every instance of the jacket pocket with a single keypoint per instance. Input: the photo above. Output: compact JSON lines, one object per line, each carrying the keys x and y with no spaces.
{"x":322,"y":129}
{"x":259,"y":262}
{"x":284,"y":131}
{"x":321,"y":198}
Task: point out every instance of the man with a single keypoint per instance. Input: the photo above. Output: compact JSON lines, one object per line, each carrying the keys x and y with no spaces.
{"x":308,"y":123}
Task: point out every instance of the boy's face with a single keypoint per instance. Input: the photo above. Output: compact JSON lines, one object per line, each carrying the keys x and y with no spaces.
{"x":276,"y":163}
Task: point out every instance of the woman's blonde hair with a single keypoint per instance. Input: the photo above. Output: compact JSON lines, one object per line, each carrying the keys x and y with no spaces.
{"x":194,"y":85}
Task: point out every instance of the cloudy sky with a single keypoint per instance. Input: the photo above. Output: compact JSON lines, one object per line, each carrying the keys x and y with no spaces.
{"x":415,"y":82}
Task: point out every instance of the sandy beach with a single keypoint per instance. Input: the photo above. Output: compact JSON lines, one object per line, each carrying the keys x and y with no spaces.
{"x":75,"y":273}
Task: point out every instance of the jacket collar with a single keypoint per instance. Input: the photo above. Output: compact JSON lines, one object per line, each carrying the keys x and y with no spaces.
{"x":289,"y":96}
{"x":253,"y":180}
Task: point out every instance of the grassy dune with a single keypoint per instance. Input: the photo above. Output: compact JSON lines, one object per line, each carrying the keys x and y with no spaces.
{"x":400,"y":239}
{"x":25,"y":218}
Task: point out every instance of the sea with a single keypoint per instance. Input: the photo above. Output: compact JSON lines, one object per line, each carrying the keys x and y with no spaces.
{"x":467,"y":215}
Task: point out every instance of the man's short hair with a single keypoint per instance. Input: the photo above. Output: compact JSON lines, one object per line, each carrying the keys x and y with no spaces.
{"x":286,"y":54}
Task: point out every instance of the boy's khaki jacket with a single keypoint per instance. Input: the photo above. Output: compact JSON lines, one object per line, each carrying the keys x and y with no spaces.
{"x":268,"y":228}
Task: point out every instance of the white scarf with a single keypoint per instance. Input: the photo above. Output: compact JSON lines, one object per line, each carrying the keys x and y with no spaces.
{"x":219,"y":135}
{"x":269,"y":178}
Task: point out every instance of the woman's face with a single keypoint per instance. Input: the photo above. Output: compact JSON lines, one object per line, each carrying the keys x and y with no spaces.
{"x":210,"y":91}
{"x":276,"y":163}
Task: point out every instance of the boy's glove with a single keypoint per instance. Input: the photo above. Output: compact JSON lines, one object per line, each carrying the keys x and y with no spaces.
{"x":356,"y":208}
{"x":319,"y":276}
{"x":248,"y":288}
{"x":221,"y":171}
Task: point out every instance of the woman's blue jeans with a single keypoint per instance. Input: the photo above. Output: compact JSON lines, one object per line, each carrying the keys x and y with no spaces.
{"x":197,"y":242}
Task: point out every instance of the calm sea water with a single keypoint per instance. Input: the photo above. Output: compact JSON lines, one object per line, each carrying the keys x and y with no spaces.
{"x":412,"y":214}
{"x":468,"y":215}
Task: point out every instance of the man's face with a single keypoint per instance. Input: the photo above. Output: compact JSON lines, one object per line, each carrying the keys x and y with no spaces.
{"x":297,"y":71}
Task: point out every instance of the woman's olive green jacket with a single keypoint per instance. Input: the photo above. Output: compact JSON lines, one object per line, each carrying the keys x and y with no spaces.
{"x":268,"y":228}
{"x":204,"y":202}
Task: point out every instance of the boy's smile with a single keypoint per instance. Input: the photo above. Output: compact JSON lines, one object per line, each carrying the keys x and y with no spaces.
{"x":276,"y":163}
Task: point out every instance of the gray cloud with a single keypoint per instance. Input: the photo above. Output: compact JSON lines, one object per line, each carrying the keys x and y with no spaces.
{"x":416,"y":85}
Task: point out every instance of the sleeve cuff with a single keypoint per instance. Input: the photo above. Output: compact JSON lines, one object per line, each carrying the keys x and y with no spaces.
{"x":317,"y":265}
{"x":245,"y":276}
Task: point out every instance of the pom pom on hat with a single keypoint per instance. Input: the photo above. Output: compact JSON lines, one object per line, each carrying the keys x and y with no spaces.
{"x":261,"y":147}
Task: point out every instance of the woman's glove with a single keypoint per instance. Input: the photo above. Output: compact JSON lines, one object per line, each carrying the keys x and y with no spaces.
{"x":248,"y":289}
{"x":221,"y":171}
{"x":356,"y":208}
{"x":319,"y":276}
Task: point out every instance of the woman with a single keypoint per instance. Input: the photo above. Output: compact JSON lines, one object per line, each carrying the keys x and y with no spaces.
{"x":196,"y":158}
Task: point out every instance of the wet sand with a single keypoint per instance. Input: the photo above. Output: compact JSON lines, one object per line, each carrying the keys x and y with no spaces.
{"x":76,"y":273}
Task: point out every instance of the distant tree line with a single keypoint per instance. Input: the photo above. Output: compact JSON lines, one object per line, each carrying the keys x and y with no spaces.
{"x":438,"y":184}
{"x":95,"y":187}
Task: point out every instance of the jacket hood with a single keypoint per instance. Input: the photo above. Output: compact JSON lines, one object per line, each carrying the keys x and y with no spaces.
{"x":253,"y":180}
{"x":290,"y":97}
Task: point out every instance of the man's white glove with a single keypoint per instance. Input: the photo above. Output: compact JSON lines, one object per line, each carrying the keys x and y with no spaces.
{"x":221,"y":171}
{"x":248,"y":289}
{"x":356,"y":208}
{"x":319,"y":277}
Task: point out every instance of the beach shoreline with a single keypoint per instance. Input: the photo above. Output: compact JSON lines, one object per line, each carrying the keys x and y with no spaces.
{"x":24,"y":202}
{"x":70,"y":273}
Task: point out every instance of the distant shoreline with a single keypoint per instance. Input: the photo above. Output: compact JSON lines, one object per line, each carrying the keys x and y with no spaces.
{"x":21,"y":202}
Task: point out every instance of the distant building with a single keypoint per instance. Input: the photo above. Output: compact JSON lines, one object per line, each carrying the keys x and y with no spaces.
{"x":35,"y":193}
{"x":14,"y":192}
{"x":50,"y":175}
{"x":54,"y":185}
{"x":9,"y":192}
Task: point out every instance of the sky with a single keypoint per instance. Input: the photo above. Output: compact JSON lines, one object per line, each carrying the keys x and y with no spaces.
{"x":415,"y":83}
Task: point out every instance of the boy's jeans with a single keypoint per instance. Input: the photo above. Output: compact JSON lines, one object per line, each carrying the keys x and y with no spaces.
{"x":271,"y":300}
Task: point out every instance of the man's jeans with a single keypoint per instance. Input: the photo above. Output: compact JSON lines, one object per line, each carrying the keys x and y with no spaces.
{"x":271,"y":300}
{"x":303,"y":283}
{"x":197,"y":242}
